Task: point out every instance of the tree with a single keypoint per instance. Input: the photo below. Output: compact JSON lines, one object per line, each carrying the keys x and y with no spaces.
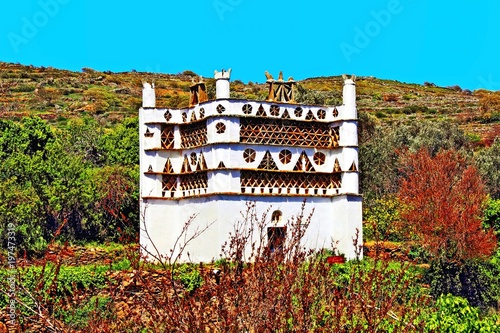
{"x":81,"y":137}
{"x":49,"y":95}
{"x":492,"y":216}
{"x":443,"y":201}
{"x":121,"y":146}
{"x":116,"y":206}
{"x":36,"y":134}
{"x":19,"y":206}
{"x":101,"y":99}
{"x":382,"y":221}
{"x":488,"y":164}
{"x":380,"y":152}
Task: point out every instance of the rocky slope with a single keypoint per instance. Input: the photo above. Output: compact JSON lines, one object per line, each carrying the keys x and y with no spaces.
{"x":58,"y":95}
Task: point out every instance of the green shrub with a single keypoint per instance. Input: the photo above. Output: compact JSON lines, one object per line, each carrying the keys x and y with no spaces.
{"x":419,"y":254}
{"x":473,"y":137}
{"x":50,"y":284}
{"x":237,"y":95}
{"x":79,"y":317}
{"x":414,"y":109}
{"x":393,"y":110}
{"x":189,"y":73}
{"x":487,"y":161}
{"x":61,"y":119}
{"x":475,"y":280}
{"x":67,"y":278}
{"x":121,"y":265}
{"x":189,"y":276}
{"x":382,"y":220}
{"x":495,"y":117}
{"x":102,"y":99}
{"x":492,"y":216}
{"x":24,"y":88}
{"x":454,"y":314}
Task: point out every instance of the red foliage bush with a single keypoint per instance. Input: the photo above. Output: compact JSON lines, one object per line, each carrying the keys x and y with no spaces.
{"x":444,"y":200}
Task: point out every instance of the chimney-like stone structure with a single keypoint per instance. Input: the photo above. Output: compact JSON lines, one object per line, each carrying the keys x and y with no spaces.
{"x":197,"y":92}
{"x":280,"y":90}
{"x":148,"y":95}
{"x":222,"y":83}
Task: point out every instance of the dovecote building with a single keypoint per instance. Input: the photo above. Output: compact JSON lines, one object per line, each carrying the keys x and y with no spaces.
{"x":212,"y":158}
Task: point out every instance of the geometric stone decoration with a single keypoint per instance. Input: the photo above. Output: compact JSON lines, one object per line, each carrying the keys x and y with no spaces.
{"x":198,"y":92}
{"x":279,"y":90}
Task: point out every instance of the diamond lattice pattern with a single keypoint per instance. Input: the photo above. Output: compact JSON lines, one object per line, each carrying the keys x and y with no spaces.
{"x":193,"y":135}
{"x":169,"y":182}
{"x":167,"y":137}
{"x":289,"y":132}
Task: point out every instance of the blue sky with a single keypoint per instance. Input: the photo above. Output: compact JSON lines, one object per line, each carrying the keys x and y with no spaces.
{"x":445,"y":42}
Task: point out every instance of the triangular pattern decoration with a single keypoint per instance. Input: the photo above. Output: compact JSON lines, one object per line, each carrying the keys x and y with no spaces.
{"x":303,"y":164}
{"x":193,"y":116}
{"x":185,"y":165}
{"x":267,"y":162}
{"x":319,"y":182}
{"x":285,"y":114}
{"x":261,"y":112}
{"x":202,"y":164}
{"x":336,"y":166}
{"x":148,"y":134}
{"x":353,"y":167}
{"x":335,"y":136}
{"x":150,"y":168}
{"x":168,"y":167}
{"x":221,"y":165}
{"x":310,"y":115}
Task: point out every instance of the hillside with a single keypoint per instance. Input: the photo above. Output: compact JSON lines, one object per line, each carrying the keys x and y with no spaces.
{"x":69,"y":209}
{"x":57,"y":95}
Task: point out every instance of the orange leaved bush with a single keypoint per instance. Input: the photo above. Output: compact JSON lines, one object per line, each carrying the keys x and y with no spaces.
{"x":443,"y":200}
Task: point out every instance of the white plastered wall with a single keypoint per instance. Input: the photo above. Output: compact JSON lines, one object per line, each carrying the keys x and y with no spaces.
{"x":165,"y":219}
